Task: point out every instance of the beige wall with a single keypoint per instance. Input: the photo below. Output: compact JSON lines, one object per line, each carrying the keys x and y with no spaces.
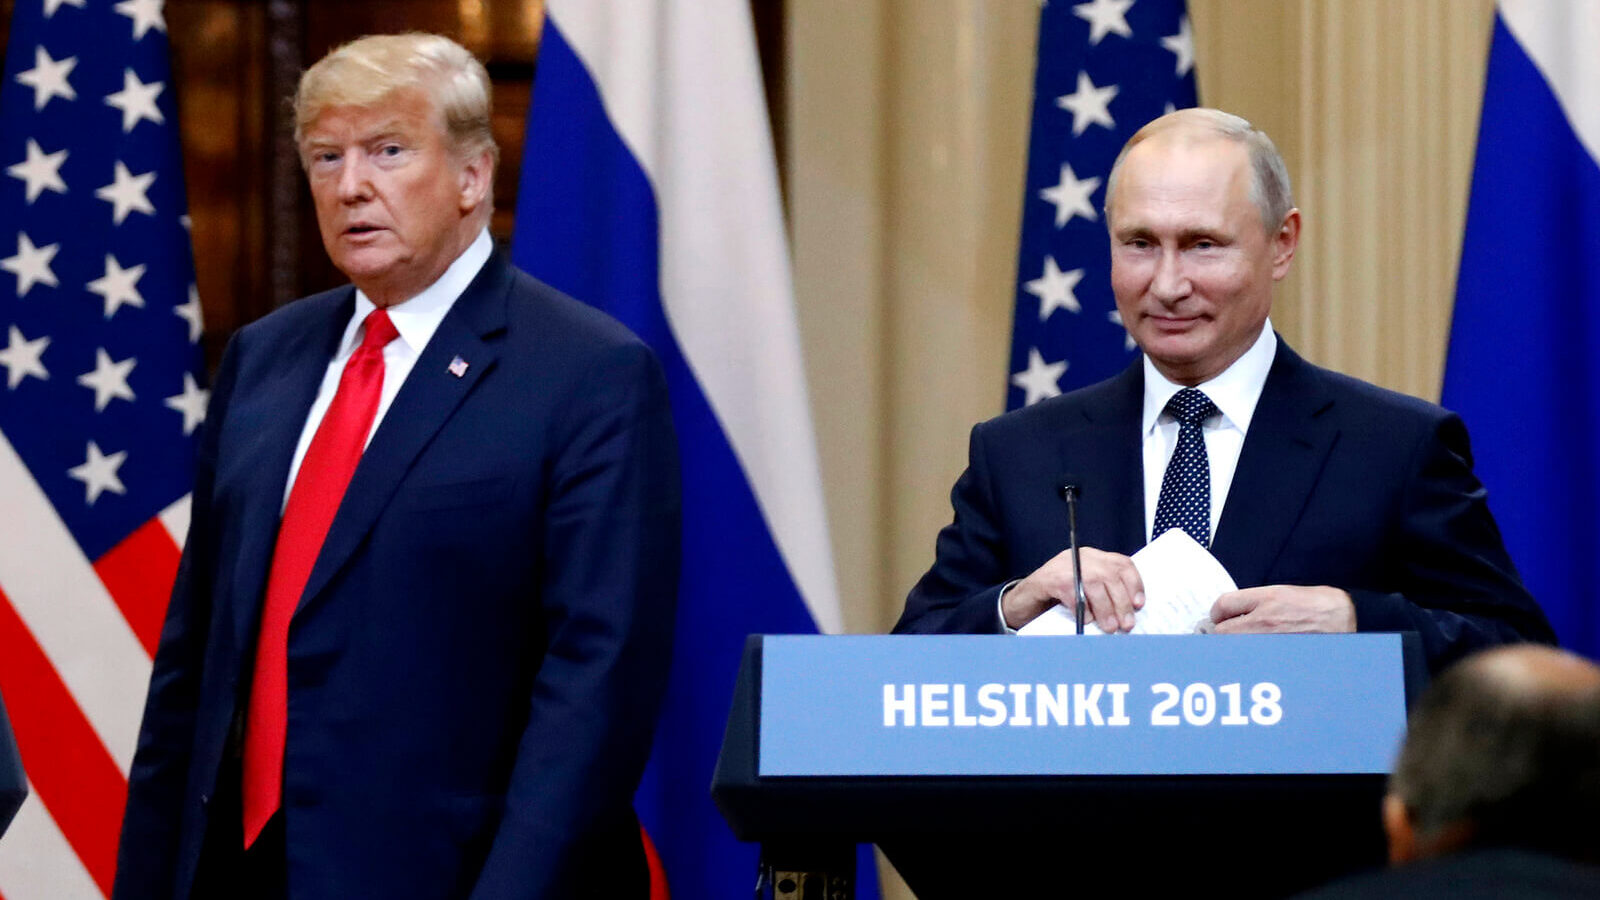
{"x":1375,"y":106}
{"x":907,"y":137}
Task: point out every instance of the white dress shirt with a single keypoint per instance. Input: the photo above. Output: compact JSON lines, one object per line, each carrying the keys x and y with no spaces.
{"x":416,"y":319}
{"x":1235,"y":393}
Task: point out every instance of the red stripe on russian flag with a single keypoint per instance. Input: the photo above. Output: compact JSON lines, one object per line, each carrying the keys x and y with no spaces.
{"x":659,"y":888}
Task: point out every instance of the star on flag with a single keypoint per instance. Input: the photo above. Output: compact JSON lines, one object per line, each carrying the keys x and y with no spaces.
{"x":1182,"y":46}
{"x":191,"y":403}
{"x":1071,"y":196}
{"x":50,"y":6}
{"x":48,"y":78}
{"x":1040,"y":380}
{"x":137,"y":100}
{"x":189,"y":312}
{"x":98,"y":472}
{"x":31,"y":265}
{"x":127,"y":193}
{"x":118,"y":286}
{"x":108,"y":380}
{"x":1089,"y":105}
{"x":41,"y":171}
{"x":1105,"y":17}
{"x":23,"y":358}
{"x":1054,"y":289}
{"x":146,"y":14}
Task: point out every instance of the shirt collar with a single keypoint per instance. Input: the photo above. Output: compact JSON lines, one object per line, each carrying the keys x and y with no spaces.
{"x":1235,"y":391}
{"x":418,"y":317}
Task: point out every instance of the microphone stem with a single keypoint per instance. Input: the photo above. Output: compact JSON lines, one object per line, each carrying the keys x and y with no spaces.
{"x":1081,"y":600}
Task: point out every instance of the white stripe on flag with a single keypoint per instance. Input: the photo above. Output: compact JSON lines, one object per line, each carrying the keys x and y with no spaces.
{"x":36,"y":861}
{"x":57,"y":594}
{"x":1562,"y":38}
{"x":175,"y":519}
{"x":706,"y":147}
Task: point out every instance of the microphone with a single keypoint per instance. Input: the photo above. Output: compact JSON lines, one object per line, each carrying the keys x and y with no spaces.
{"x":1069,"y":492}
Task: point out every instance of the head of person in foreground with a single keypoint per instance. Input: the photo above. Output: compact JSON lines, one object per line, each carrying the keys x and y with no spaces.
{"x":1503,"y":752}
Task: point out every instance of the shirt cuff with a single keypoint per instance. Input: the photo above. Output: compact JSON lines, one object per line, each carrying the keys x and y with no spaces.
{"x":1000,"y":607}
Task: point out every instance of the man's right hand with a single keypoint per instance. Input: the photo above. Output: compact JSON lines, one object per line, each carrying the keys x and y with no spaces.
{"x":1110,"y":583}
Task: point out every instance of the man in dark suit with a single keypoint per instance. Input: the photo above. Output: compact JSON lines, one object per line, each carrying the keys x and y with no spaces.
{"x":419,"y":636}
{"x":1497,"y":790}
{"x":1336,"y":506}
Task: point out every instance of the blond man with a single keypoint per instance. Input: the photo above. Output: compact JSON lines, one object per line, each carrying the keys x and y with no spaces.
{"x":419,"y":637}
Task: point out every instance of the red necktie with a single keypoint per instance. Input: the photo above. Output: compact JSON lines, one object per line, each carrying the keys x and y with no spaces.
{"x":318,"y":487}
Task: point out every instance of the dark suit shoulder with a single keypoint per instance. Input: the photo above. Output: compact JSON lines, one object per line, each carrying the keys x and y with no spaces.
{"x":545,"y":311}
{"x":1099,"y":402}
{"x":1501,"y":872}
{"x":572,"y":353}
{"x":1371,"y":398}
{"x":1299,"y":394}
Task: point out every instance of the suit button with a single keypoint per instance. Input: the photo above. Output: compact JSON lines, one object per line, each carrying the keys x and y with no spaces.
{"x":205,"y":799}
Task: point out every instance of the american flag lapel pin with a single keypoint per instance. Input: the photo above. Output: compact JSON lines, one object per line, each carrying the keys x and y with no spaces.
{"x":458,"y":367}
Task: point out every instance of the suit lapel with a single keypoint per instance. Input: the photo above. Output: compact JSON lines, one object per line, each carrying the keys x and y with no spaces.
{"x":275,"y":414}
{"x":1283,"y":455}
{"x":1106,"y":460}
{"x":425,"y":402}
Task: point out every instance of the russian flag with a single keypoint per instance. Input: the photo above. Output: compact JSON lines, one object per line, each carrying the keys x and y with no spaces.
{"x":1523,"y":367}
{"x":649,"y":189}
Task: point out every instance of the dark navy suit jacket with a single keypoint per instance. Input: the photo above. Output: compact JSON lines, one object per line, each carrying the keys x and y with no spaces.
{"x":1477,"y":874}
{"x":478,"y":660}
{"x":1339,"y":483}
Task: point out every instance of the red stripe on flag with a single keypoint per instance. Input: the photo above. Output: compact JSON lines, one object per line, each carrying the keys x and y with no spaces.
{"x":139,"y":573}
{"x":659,"y":889}
{"x":75,"y":776}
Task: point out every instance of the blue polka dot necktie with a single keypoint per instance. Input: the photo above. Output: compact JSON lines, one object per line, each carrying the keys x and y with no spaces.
{"x":1185,"y":500}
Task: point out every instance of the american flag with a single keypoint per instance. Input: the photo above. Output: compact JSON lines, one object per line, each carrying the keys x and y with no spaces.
{"x":99,"y":411}
{"x":1105,"y":69}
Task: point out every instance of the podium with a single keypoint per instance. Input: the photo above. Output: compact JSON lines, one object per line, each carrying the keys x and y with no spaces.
{"x":992,"y":766}
{"x":13,"y":783}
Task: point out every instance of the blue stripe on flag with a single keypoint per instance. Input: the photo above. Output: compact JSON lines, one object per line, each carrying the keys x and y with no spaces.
{"x":587,"y":225}
{"x":1521,"y":365}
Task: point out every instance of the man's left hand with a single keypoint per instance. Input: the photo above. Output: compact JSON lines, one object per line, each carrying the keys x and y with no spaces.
{"x":1283,"y":608}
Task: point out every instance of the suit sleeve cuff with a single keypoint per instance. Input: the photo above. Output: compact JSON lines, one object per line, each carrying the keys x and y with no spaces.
{"x":1377,"y":611}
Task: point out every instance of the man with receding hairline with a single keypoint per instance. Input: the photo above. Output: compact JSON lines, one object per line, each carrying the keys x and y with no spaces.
{"x":419,"y":638}
{"x":1497,"y":789}
{"x":1336,"y":506}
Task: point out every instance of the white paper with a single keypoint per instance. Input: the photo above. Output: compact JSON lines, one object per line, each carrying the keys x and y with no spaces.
{"x":1181,"y":582}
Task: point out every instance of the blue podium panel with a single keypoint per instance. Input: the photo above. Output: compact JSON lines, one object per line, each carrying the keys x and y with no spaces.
{"x":1145,"y":705}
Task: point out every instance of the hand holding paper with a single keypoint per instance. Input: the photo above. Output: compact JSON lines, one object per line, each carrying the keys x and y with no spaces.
{"x":1110,"y":582}
{"x":1181,"y":582}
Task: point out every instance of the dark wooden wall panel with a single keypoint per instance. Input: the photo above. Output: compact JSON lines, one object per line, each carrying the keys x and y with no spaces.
{"x":220,"y":74}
